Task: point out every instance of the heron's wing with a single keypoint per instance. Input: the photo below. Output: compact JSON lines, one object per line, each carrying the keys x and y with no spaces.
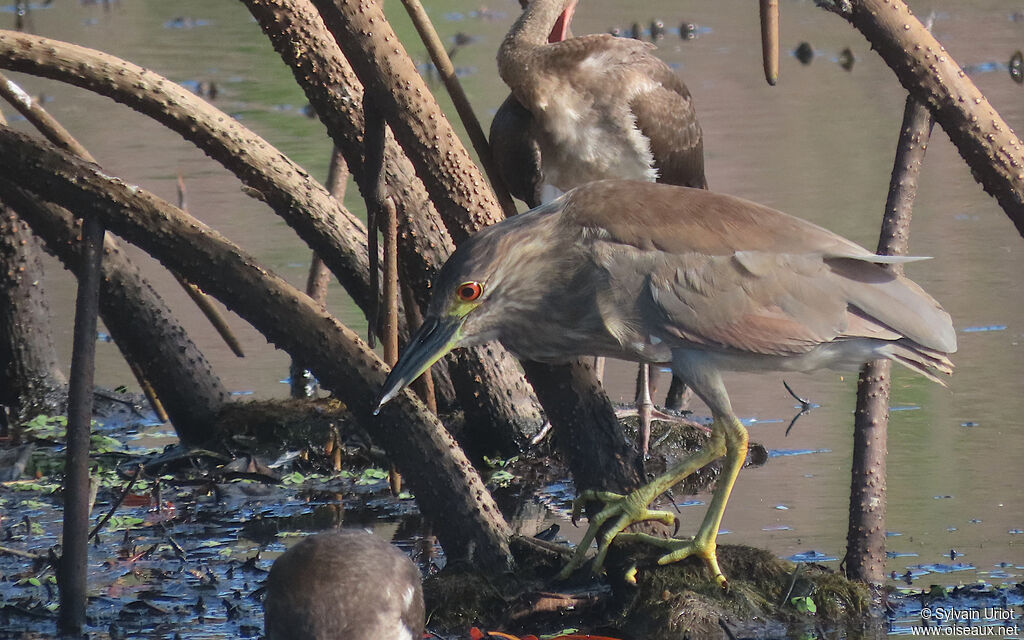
{"x":678,"y":220}
{"x":516,"y":152}
{"x":665,"y":115}
{"x":786,"y":305}
{"x":715,"y":270}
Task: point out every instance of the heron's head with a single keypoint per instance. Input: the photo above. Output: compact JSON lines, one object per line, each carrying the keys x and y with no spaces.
{"x":492,"y":278}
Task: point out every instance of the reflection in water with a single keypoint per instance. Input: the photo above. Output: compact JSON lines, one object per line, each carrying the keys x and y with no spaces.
{"x":819,"y":145}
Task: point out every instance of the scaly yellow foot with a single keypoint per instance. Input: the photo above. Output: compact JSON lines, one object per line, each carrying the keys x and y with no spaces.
{"x":621,"y":511}
{"x":701,"y":547}
{"x":627,"y":509}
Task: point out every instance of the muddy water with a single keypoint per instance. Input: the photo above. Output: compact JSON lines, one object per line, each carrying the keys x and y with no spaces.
{"x":819,"y":145}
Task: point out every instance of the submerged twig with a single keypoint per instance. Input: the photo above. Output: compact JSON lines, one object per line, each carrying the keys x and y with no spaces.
{"x":201,"y":300}
{"x":139,"y":469}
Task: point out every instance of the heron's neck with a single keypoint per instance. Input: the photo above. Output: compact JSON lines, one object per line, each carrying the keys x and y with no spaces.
{"x":528,"y":35}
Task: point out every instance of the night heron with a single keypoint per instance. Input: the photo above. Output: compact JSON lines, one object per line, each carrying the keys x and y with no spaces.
{"x":663,"y":274}
{"x":590,"y":108}
{"x":348,"y":584}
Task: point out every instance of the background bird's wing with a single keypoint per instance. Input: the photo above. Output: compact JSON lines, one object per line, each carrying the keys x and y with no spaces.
{"x":516,"y":152}
{"x":666,"y":117}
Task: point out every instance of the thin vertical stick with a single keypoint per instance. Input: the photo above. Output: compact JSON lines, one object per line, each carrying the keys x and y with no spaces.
{"x":319,"y":275}
{"x":384,"y":215}
{"x":149,"y":392}
{"x":446,"y":71}
{"x":201,"y":300}
{"x":75,"y":551}
{"x":865,"y":541}
{"x":770,"y":39}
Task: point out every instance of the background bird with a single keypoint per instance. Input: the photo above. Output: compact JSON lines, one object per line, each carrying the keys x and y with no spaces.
{"x":350,"y":585}
{"x":664,"y":274}
{"x":590,"y":108}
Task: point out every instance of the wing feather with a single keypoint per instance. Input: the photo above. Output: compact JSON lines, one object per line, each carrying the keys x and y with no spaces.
{"x":707,"y":269}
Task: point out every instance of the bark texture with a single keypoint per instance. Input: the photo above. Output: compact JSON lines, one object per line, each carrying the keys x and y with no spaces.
{"x":72,"y":571}
{"x":382,"y":65}
{"x":333,"y":232}
{"x":464,"y":200}
{"x":865,"y":540}
{"x":992,"y":150}
{"x":140,"y":322}
{"x":31,"y":382}
{"x":448,"y":489}
{"x":499,"y":405}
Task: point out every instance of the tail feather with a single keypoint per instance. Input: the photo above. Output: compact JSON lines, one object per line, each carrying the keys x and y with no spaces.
{"x":925,"y":361}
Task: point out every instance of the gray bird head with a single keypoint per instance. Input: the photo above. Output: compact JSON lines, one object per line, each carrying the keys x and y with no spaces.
{"x":493,"y":276}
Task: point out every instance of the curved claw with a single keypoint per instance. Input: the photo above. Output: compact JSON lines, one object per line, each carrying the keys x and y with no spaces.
{"x":627,"y":510}
{"x":592,"y":495}
{"x":706,"y":550}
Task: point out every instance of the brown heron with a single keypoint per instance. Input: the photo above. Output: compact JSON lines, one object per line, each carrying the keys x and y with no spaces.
{"x":349,"y":584}
{"x":590,"y":108}
{"x":664,"y":274}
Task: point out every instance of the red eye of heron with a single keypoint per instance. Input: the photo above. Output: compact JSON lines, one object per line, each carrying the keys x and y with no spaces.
{"x":469,"y":291}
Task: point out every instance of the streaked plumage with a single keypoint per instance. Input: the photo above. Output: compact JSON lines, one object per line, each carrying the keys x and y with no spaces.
{"x":704,"y":281}
{"x":643,"y":269}
{"x":589,"y":108}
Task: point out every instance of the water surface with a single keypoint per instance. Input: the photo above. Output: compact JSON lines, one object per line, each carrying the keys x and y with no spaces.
{"x":819,"y":145}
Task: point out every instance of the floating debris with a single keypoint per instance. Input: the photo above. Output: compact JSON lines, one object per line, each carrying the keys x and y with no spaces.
{"x":1016,"y":66}
{"x":657,"y":30}
{"x":904,"y":407}
{"x":688,"y":30}
{"x":942,"y":568}
{"x":690,"y":503}
{"x":846,"y":59}
{"x":777,"y":527}
{"x":970,"y":423}
{"x":900,"y":554}
{"x":980,"y":328}
{"x":782,"y":507}
{"x":893,"y":534}
{"x":804,"y":53}
{"x":941,"y":497}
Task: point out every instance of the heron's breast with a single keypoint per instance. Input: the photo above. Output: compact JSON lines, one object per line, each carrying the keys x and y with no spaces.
{"x":586,"y":137}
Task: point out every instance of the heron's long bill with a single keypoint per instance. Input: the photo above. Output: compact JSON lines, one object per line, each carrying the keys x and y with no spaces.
{"x":436,"y":337}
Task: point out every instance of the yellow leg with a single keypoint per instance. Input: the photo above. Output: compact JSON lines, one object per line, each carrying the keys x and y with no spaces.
{"x":704,"y":544}
{"x":632,"y":508}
